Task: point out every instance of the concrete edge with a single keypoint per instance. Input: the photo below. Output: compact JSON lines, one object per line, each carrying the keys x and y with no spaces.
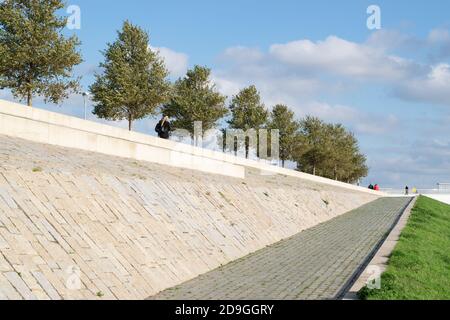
{"x":379,"y":263}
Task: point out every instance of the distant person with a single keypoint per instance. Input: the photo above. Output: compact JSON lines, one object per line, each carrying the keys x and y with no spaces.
{"x":376,"y":187}
{"x":414,"y":190}
{"x":371,"y":187}
{"x":406,"y":190}
{"x":163,"y":128}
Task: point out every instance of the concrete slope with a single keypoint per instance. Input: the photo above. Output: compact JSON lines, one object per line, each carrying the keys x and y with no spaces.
{"x":76,"y":224}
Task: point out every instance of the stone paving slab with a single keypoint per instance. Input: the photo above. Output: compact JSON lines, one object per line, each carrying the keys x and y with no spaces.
{"x":315,"y":264}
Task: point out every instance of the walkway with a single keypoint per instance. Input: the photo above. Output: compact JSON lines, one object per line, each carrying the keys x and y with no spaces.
{"x":318,"y":263}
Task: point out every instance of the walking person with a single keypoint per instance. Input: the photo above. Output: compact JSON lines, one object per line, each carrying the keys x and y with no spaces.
{"x":163,"y":128}
{"x":407,"y":190}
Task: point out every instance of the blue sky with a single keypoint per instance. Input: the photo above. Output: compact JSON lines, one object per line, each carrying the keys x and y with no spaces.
{"x":390,"y":86}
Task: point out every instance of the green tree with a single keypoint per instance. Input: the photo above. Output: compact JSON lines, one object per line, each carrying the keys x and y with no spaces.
{"x":329,"y":150}
{"x":248,"y":112}
{"x":134,"y":82}
{"x":340,"y":152}
{"x":312,"y":145}
{"x":195,"y":99}
{"x":35,"y":58}
{"x":283,"y":119}
{"x":345,"y":162}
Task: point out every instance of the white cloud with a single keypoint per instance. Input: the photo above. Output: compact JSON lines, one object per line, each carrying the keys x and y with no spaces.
{"x":386,"y":39}
{"x":439,"y":40}
{"x":176,"y":62}
{"x":356,"y":119}
{"x":423,"y":162}
{"x":340,"y":57}
{"x":439,"y":36}
{"x":299,"y":71}
{"x":225,"y":86}
{"x":433,"y":87}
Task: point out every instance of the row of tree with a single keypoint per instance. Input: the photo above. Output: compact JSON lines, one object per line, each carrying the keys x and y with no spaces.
{"x":37,"y":60}
{"x":328,"y":150}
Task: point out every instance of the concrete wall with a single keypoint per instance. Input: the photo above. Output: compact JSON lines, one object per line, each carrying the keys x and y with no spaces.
{"x":61,"y":130}
{"x":57,"y":129}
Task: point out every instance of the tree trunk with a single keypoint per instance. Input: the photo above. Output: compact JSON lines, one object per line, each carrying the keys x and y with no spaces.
{"x":314,"y":170}
{"x":29,"y":99}
{"x":29,"y":82}
{"x":130,"y":124}
{"x":282,"y":162}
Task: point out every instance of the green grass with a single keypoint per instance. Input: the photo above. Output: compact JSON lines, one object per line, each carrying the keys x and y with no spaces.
{"x":419,"y":268}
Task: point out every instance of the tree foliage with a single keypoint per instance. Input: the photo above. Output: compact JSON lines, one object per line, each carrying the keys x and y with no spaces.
{"x":329,"y":150}
{"x":312,"y":145}
{"x":134,"y":82}
{"x":195,"y":98}
{"x":35,"y":58}
{"x":283,"y":119}
{"x":248,"y":112}
{"x":345,"y":161}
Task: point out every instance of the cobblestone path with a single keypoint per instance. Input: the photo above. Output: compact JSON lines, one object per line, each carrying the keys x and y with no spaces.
{"x":318,"y":263}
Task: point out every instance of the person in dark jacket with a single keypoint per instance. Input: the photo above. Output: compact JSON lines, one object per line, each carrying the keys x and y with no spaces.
{"x":163,"y":128}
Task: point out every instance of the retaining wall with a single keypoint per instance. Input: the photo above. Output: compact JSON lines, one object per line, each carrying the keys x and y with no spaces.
{"x":79,"y":222}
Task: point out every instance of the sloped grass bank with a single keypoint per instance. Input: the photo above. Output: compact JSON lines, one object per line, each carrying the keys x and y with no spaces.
{"x":419,"y":268}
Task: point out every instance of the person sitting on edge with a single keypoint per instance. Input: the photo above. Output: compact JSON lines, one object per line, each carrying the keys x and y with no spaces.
{"x":371,"y":187}
{"x":376,"y":188}
{"x":163,"y":128}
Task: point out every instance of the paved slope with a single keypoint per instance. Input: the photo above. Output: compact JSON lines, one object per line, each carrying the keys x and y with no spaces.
{"x":315,"y":264}
{"x":81,"y":225}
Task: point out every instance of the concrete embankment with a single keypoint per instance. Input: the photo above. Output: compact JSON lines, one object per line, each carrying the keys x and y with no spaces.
{"x":78,"y":222}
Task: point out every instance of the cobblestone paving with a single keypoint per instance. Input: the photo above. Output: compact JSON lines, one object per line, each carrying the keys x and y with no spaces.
{"x":315,"y":264}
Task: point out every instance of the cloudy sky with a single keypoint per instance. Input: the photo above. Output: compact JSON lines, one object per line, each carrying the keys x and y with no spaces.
{"x":391,"y":86}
